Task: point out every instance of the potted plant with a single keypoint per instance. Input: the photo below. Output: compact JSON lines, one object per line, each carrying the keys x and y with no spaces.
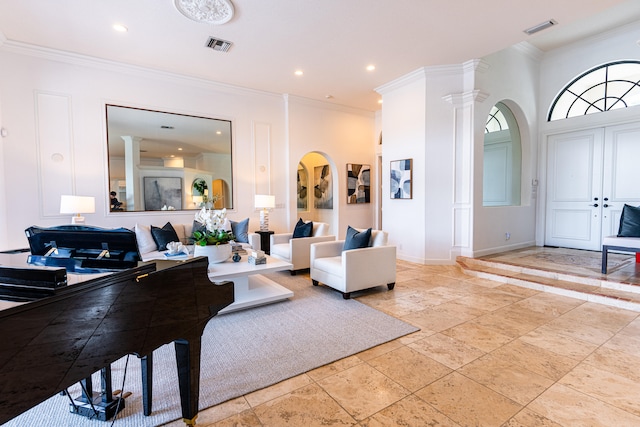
{"x":211,"y":239}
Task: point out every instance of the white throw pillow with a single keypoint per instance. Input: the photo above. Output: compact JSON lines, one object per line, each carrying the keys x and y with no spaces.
{"x":145,"y":240}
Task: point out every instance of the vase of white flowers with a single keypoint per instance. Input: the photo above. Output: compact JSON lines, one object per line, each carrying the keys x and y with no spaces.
{"x":211,"y":239}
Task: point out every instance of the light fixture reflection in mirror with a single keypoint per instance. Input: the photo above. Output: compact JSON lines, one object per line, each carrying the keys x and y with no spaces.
{"x":174,"y":149}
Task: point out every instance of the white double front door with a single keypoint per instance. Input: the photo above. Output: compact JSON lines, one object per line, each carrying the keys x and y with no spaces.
{"x":591,"y":175}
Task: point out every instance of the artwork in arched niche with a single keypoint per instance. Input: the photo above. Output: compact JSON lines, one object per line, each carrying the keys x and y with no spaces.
{"x":323,"y":189}
{"x":302,"y":188}
{"x":200,"y":193}
{"x":313,"y":162}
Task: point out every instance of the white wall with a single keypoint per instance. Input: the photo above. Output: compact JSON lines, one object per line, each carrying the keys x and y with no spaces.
{"x":265,"y":155}
{"x":436,"y":116}
{"x":3,"y":200}
{"x":511,"y":77}
{"x":403,"y":137}
{"x":343,"y":135}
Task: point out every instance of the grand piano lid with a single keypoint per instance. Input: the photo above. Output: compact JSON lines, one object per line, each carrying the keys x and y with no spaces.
{"x":81,"y":248}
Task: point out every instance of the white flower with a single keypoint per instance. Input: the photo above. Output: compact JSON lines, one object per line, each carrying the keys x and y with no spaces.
{"x":212,"y":219}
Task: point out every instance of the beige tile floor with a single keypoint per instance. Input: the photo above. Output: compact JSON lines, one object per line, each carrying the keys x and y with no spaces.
{"x":488,"y":354}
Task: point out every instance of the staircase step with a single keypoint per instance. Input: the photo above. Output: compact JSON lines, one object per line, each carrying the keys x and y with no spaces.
{"x":598,"y":290}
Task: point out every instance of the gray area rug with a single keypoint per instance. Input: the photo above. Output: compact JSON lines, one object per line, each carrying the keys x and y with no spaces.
{"x":243,"y":352}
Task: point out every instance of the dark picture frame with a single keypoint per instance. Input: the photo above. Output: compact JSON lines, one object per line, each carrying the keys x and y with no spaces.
{"x":162,"y":193}
{"x":358,"y":183}
{"x":401,"y":179}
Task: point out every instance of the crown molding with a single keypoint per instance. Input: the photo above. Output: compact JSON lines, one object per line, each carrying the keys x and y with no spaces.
{"x":466,"y":97}
{"x":55,"y":55}
{"x":409,"y":78}
{"x":475,"y":65}
{"x":315,"y":103}
{"x":529,"y":50}
{"x":420,"y":74}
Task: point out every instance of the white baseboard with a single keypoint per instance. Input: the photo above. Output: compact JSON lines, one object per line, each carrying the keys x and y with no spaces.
{"x":454,"y":253}
{"x":504,"y":248}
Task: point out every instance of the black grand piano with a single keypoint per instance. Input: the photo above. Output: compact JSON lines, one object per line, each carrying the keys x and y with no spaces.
{"x":79,"y":314}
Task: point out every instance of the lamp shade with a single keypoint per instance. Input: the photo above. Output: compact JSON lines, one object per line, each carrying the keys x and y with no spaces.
{"x":77,"y":204}
{"x":264,"y":201}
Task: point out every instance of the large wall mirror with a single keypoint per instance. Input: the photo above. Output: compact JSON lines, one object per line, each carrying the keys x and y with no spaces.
{"x":168,"y":161}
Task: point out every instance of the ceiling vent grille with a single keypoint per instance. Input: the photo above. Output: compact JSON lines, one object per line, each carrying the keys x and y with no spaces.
{"x":219,"y":44}
{"x":542,"y":26}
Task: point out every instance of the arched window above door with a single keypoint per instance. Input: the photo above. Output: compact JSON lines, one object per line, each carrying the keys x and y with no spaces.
{"x":607,"y":87}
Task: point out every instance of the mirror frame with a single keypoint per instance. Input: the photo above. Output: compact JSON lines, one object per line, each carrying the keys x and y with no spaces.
{"x":168,"y":146}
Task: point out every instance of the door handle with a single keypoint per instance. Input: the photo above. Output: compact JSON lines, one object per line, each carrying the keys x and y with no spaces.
{"x":595,"y":205}
{"x":606,"y":205}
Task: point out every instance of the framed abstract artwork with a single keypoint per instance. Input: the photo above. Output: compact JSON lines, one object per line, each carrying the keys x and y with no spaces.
{"x":401,"y":173}
{"x":358,"y":183}
{"x":162,"y":193}
{"x":303,"y":184}
{"x":323,"y":189}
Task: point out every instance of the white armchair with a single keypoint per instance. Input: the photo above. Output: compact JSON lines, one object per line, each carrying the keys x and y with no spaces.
{"x":354,"y":269}
{"x":296,"y":251}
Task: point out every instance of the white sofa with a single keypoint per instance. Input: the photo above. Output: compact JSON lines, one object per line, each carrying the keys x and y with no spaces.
{"x":148,"y":249}
{"x":354,"y":269}
{"x":615,"y":243}
{"x":296,"y":251}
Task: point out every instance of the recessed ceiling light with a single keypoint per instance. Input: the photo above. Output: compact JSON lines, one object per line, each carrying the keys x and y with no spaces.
{"x":120,"y":28}
{"x":379,"y":101}
{"x":371,"y":67}
{"x":298,"y":72}
{"x":179,"y":148}
{"x":218,"y":132}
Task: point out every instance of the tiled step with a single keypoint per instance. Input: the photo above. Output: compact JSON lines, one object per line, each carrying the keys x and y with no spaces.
{"x":608,"y":292}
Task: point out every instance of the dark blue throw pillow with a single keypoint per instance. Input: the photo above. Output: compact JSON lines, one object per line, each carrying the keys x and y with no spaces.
{"x":356,"y":239}
{"x":302,"y":229}
{"x":164,"y":235}
{"x":629,"y":222}
{"x":240,"y":230}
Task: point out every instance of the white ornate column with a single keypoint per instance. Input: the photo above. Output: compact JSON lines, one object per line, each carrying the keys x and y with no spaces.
{"x":132,"y":172}
{"x":464,"y":143}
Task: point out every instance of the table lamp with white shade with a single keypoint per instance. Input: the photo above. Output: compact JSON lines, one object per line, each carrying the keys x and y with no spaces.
{"x":77,"y":205}
{"x":265,"y":202}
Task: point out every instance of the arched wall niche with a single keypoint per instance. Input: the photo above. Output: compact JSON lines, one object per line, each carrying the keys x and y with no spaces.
{"x":322,"y":189}
{"x":518,"y":191}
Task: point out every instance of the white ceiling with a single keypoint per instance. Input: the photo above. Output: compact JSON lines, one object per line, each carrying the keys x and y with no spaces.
{"x":332,"y":41}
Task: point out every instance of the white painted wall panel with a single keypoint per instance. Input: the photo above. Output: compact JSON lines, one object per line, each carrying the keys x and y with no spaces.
{"x":55,"y":150}
{"x":262,"y":156}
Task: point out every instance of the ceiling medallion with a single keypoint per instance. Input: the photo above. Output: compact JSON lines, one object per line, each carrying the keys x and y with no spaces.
{"x":207,"y":11}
